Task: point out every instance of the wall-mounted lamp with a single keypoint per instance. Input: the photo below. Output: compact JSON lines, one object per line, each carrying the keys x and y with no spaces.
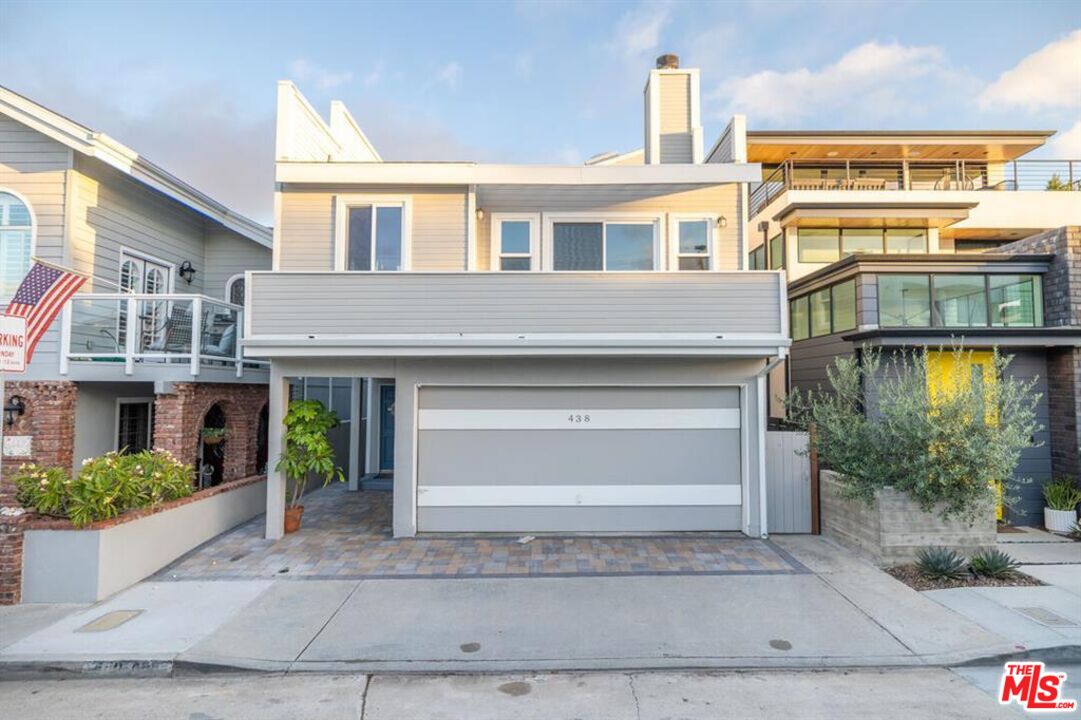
{"x":480,"y":214}
{"x":13,"y":408}
{"x":186,"y":271}
{"x":722,"y":221}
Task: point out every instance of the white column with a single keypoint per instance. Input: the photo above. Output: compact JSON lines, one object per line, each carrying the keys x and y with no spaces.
{"x":275,"y":481}
{"x":763,"y":527}
{"x":354,"y":434}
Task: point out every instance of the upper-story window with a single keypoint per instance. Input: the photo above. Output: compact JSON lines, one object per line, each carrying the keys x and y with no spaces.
{"x":16,"y":243}
{"x":757,"y":258}
{"x":776,"y":252}
{"x":373,"y":233}
{"x":828,"y":310}
{"x":692,"y":243}
{"x":960,"y":300}
{"x":514,"y":242}
{"x":611,"y":245}
{"x":826,"y":245}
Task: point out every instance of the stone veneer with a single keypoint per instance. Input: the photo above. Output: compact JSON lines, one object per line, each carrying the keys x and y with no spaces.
{"x":1062,"y":308}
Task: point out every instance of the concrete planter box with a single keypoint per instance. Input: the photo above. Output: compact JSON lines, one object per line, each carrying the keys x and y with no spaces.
{"x":896,"y":528}
{"x":65,"y":565}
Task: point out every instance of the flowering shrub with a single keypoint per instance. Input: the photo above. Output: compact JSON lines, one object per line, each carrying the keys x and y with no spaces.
{"x":105,"y":487}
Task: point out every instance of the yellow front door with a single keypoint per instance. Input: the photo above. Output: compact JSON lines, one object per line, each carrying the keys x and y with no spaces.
{"x":946,"y":367}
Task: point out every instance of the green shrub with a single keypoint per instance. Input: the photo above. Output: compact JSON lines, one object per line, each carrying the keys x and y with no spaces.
{"x":106,"y":486}
{"x":994,"y":564}
{"x":1062,"y":494}
{"x":952,"y":447}
{"x":939,"y":563}
{"x":307,"y":450}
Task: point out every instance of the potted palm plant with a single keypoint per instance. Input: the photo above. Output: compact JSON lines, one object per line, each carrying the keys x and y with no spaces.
{"x":306,"y":453}
{"x":1062,"y":497}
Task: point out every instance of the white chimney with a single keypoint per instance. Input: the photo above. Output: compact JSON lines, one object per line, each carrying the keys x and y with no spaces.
{"x":673,"y":119}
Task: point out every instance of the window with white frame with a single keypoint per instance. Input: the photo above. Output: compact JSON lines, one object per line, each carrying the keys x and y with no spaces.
{"x":629,"y":245}
{"x":373,"y":234}
{"x":692,"y":243}
{"x":514,"y":242}
{"x":16,"y":240}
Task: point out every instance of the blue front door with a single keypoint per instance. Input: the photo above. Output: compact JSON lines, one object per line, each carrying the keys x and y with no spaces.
{"x":386,"y":427}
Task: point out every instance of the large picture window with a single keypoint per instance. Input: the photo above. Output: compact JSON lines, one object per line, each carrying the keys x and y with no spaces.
{"x":960,"y":300}
{"x":604,"y":245}
{"x":16,"y":240}
{"x":373,"y":234}
{"x":819,"y":245}
{"x":904,"y":301}
{"x":969,"y":300}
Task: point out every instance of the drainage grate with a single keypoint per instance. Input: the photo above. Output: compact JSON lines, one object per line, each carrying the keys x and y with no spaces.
{"x":1046,"y":617}
{"x":110,"y":621}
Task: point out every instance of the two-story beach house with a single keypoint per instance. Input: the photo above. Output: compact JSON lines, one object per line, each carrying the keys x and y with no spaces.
{"x":148,"y":353}
{"x":527,"y":347}
{"x":917,"y":239}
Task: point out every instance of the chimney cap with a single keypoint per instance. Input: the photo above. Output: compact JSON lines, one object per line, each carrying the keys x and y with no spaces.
{"x":668,"y":62}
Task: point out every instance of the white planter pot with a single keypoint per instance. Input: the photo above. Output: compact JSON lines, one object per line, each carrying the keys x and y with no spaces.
{"x":1059,"y":521}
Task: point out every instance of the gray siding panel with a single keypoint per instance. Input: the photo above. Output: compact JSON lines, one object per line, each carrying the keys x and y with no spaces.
{"x":228,"y":254}
{"x":366,"y":303}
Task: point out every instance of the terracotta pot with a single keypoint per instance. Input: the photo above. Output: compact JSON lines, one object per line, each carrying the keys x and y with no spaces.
{"x":292,"y":518}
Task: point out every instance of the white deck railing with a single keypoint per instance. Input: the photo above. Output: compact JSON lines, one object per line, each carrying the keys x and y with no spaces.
{"x":153,"y":329}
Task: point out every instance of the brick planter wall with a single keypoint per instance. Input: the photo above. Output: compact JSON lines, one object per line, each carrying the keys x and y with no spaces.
{"x":894,"y":529}
{"x":1062,"y":308}
{"x":178,"y":422}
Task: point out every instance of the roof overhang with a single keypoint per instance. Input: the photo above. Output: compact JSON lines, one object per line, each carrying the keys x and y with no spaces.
{"x":425,"y":173}
{"x":922,"y":263}
{"x":969,"y":337}
{"x":740,"y":345}
{"x":117,"y":155}
{"x":774,"y":146}
{"x":848,"y":214}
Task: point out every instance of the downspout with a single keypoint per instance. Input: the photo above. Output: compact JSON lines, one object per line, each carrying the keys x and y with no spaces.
{"x":763,"y":417}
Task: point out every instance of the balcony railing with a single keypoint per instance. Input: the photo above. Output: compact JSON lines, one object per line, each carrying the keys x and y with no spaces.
{"x":156,"y":330}
{"x":915,"y":175}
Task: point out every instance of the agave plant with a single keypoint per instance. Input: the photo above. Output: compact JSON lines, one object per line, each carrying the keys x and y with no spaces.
{"x":939,"y":563}
{"x":994,"y":563}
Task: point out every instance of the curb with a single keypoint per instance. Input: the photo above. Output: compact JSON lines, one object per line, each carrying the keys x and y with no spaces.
{"x":89,"y":669}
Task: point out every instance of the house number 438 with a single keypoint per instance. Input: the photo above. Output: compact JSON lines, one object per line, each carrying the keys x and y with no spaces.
{"x":577,"y":419}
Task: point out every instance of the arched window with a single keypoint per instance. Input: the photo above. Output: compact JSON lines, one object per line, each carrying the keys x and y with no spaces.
{"x":16,"y":240}
{"x":234,"y":290}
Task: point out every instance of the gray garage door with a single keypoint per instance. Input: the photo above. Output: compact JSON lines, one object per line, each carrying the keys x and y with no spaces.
{"x":537,"y":459}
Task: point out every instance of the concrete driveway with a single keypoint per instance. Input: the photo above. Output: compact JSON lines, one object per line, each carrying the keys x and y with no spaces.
{"x":843,"y":612}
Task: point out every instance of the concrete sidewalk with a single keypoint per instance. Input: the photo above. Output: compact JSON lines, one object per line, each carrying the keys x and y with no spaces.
{"x":844,"y":612}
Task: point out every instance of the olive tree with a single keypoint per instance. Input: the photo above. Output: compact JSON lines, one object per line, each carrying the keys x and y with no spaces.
{"x":947,"y":444}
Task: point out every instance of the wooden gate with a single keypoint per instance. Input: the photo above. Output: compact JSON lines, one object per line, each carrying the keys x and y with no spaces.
{"x":792,"y":499}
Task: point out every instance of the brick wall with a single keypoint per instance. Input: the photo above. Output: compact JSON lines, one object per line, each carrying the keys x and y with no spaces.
{"x":178,"y":422}
{"x":50,"y":420}
{"x":1062,"y":308}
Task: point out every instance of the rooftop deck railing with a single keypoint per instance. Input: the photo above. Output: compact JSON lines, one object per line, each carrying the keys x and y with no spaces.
{"x":944,"y":175}
{"x":153,"y":329}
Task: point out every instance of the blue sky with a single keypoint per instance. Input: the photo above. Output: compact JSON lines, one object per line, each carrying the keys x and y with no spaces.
{"x":191,"y":85}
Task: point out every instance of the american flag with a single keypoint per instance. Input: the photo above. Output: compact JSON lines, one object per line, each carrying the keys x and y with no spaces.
{"x":40,"y":297}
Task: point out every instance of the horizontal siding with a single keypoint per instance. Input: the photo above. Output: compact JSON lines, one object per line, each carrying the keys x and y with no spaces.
{"x":675,"y":111}
{"x":365,"y":303}
{"x":228,"y":254}
{"x":111,"y":211}
{"x":714,"y":200}
{"x":35,"y":167}
{"x":439,"y":226}
{"x":811,"y":358}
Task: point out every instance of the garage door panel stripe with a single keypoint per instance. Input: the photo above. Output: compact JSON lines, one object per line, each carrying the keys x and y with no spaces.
{"x":581,"y":419}
{"x":577,"y":495}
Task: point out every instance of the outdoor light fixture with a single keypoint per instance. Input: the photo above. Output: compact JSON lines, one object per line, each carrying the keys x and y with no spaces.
{"x":186,"y":271}
{"x":480,"y":214}
{"x":13,"y":408}
{"x":722,"y":221}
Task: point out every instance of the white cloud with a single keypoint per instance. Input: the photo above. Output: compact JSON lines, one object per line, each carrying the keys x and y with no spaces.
{"x":450,"y":74}
{"x":639,"y":31}
{"x":1067,"y":144}
{"x":870,"y":79}
{"x":1048,"y":78}
{"x":373,"y":76}
{"x":324,"y":79}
